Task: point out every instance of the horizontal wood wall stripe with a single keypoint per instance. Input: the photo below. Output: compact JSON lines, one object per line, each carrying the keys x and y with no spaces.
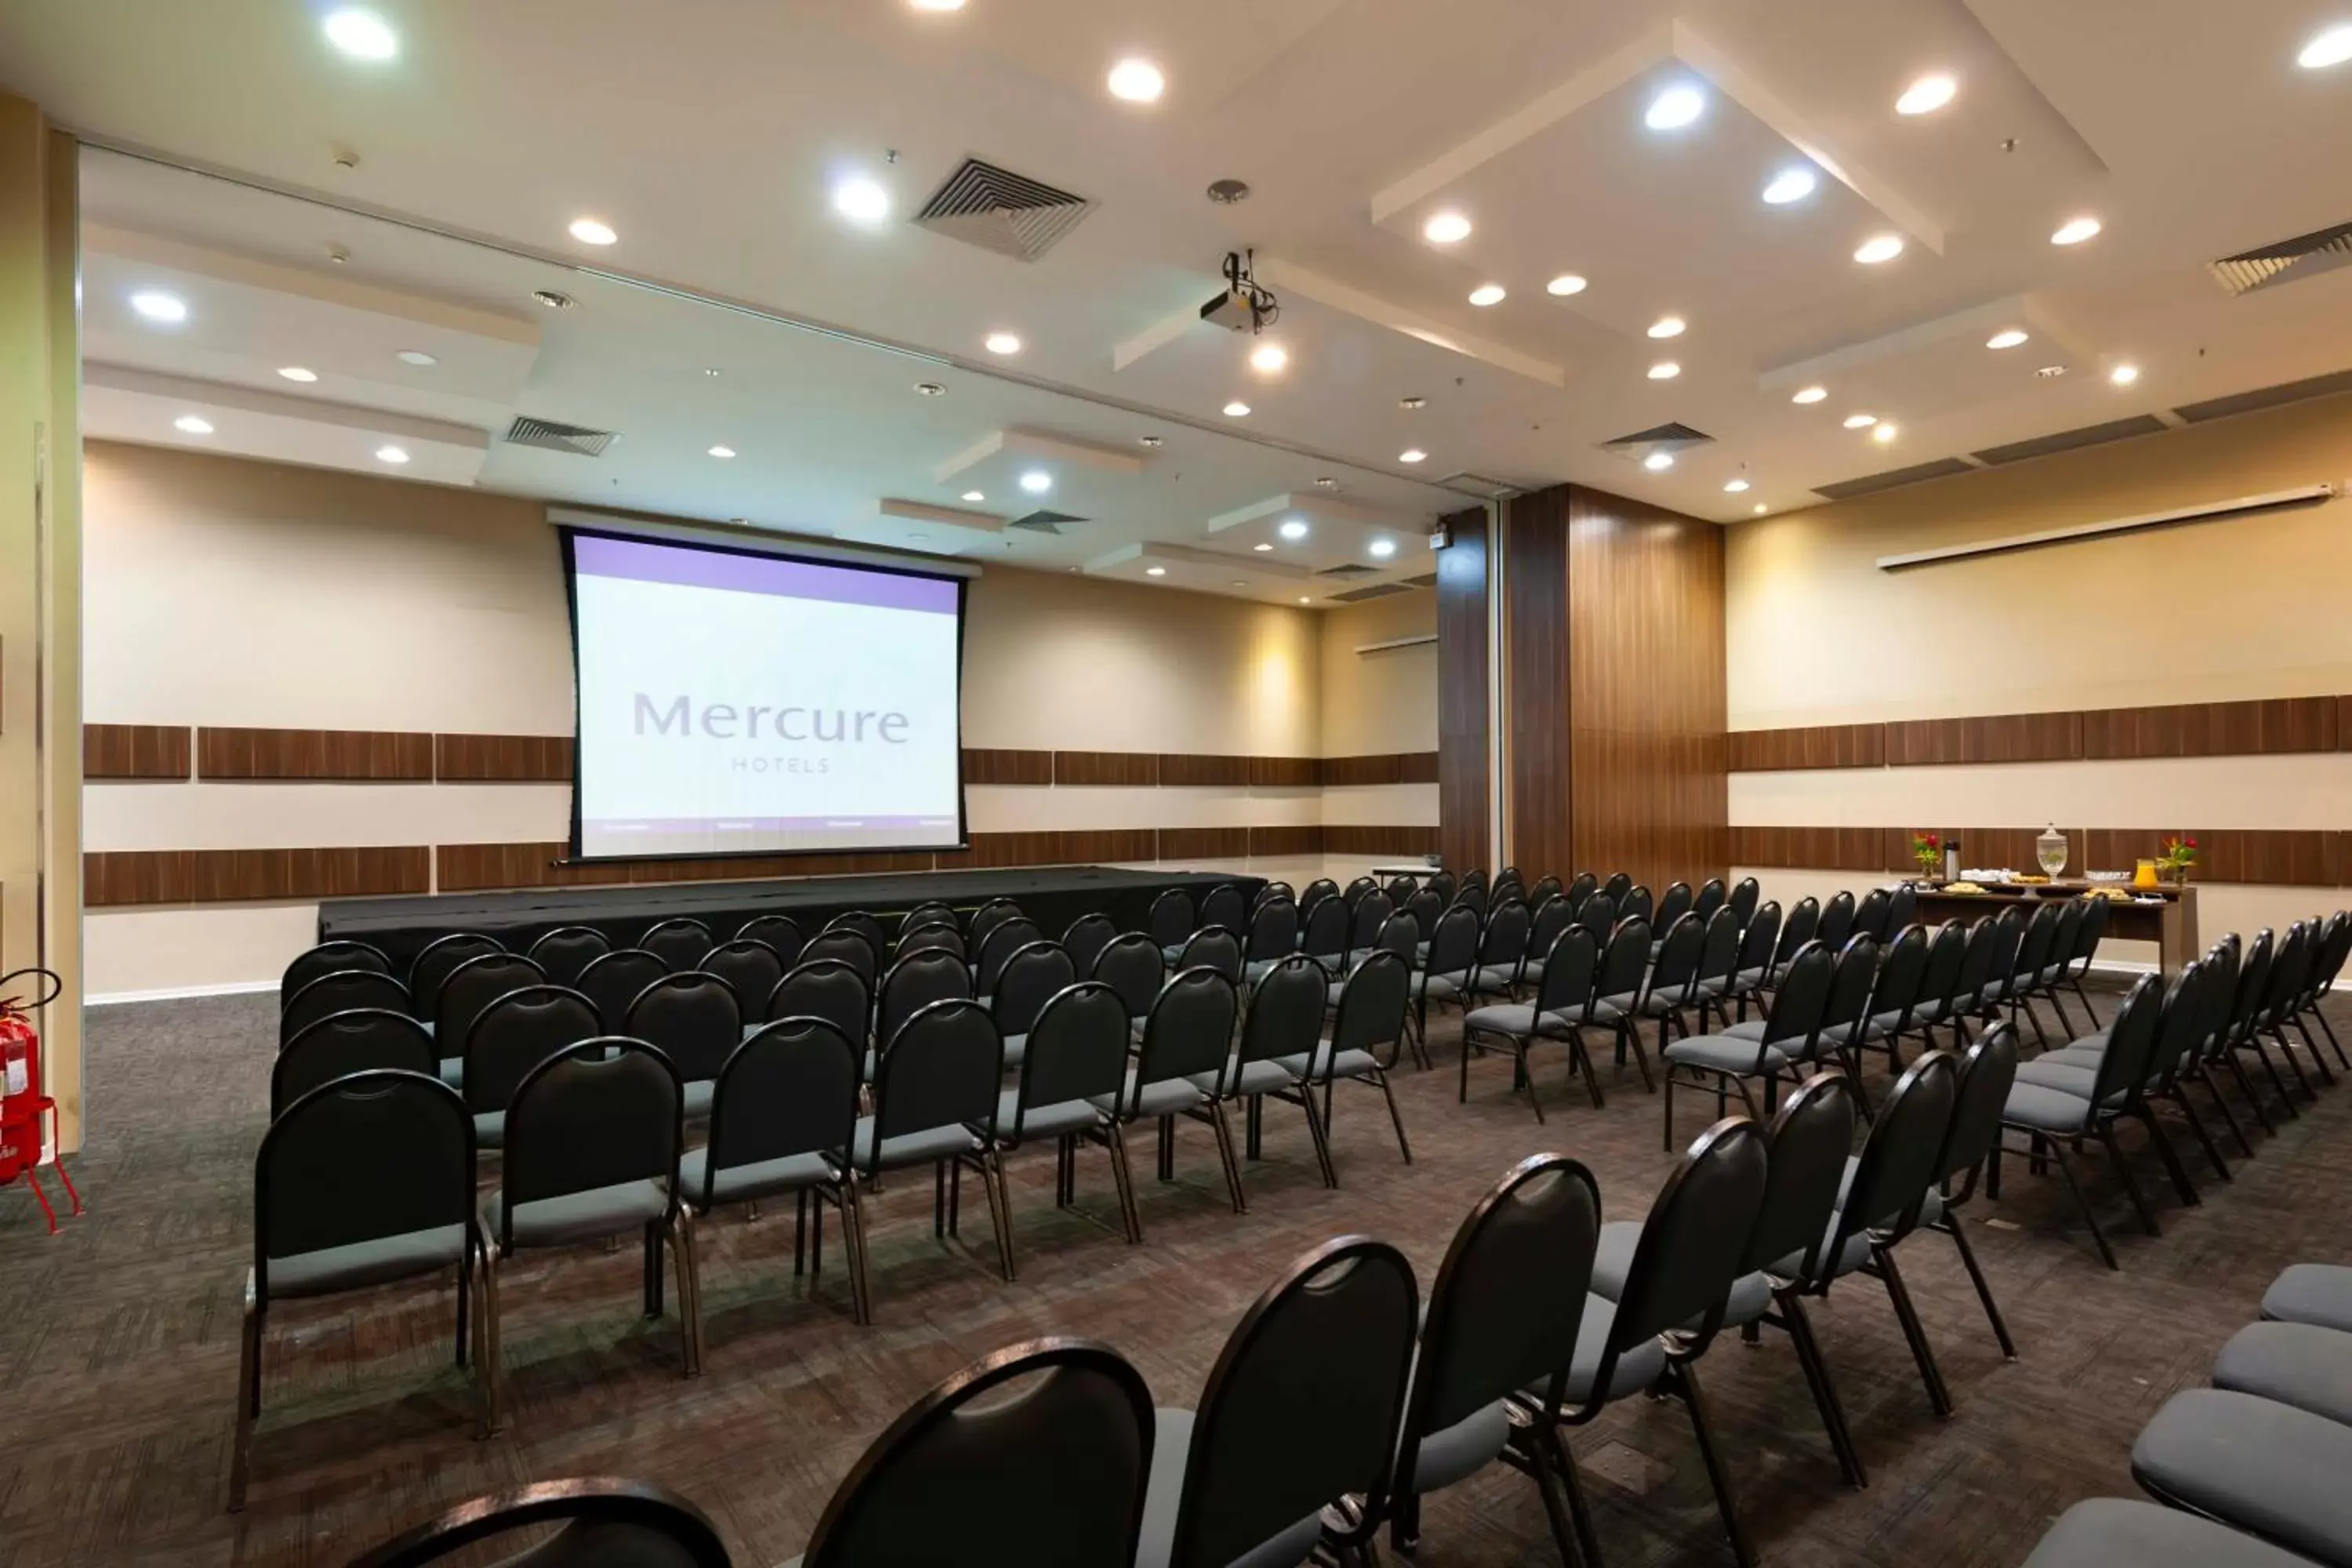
{"x":338,"y":754}
{"x":1285,"y":773}
{"x":1182,"y":844}
{"x":2213,"y":729}
{"x":1391,"y":768}
{"x":116,"y":878}
{"x":2267,"y":726}
{"x":502,"y":758}
{"x":1005,"y":767}
{"x":1285,"y":841}
{"x":1353,"y":840}
{"x":2000,"y":738}
{"x":2261,"y":857}
{"x":135,"y":751}
{"x":1133,"y":768}
{"x":1821,"y":746}
{"x":1181,"y":770}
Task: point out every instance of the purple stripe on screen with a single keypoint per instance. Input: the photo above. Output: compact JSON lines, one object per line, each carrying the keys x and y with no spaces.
{"x":640,"y":561}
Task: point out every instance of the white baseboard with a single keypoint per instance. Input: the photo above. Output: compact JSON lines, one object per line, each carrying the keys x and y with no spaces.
{"x":178,"y":993}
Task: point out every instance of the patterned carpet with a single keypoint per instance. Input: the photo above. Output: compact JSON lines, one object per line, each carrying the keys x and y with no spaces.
{"x":119,"y":1338}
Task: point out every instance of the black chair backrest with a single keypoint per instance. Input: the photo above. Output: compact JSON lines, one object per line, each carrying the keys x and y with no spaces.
{"x":2087,"y":934}
{"x":1268,"y":891}
{"x":1987,"y":1071}
{"x":1504,"y":943}
{"x":1900,"y":971}
{"x":1398,"y":934}
{"x":780,"y":932}
{"x":1760,"y":939}
{"x":2253,"y":980}
{"x":1623,"y":960}
{"x":1855,"y":980}
{"x":1585,"y":885}
{"x":1212,"y":947}
{"x":1637,"y":904}
{"x":2290,"y":967}
{"x":2181,"y":1030}
{"x":1694,"y":1243}
{"x":1223,"y":905}
{"x":2221,"y":995}
{"x":1360,"y":886}
{"x":750,"y":966}
{"x":2335,"y":947}
{"x":1189,"y":1029}
{"x":919,"y":979}
{"x":1004,"y":939}
{"x":1031,"y":978}
{"x":514,"y":1034}
{"x":1619,"y":884}
{"x":1745,"y":894}
{"x":613,"y":981}
{"x":927,"y":913}
{"x":2008,"y":936}
{"x":2070,"y":932}
{"x":1598,"y":914}
{"x":2040,"y":936}
{"x":328,"y":958}
{"x":1273,"y":931}
{"x":1804,"y":919}
{"x":438,"y":958}
{"x":1474,"y":897}
{"x":1807,"y":1148}
{"x":991,"y":915}
{"x":1373,"y":1004}
{"x":1678,"y":951}
{"x":1067,"y":1456}
{"x":360,"y":1040}
{"x":846,"y":946}
{"x":1325,"y":931}
{"x":932,"y":936}
{"x":605,"y":1524}
{"x":1303,"y":1404}
{"x":695,"y":1018}
{"x":824,"y":988}
{"x":1077,"y":1050}
{"x":1672,"y":904}
{"x":1569,"y":965}
{"x":564,"y":951}
{"x":1718,"y":950}
{"x":371,"y":1155}
{"x":1444,"y":885}
{"x":1085,"y":938}
{"x":943,"y":1069}
{"x":1976,"y":960}
{"x":1427,"y":907}
{"x":1285,"y":1011}
{"x":678,"y":942}
{"x":1400,"y":889}
{"x":1801,"y":1006}
{"x":1319,"y":889}
{"x":1902,"y":907}
{"x":1712,"y":896}
{"x":1904,"y":1154}
{"x":341,"y":991}
{"x":864,"y":924}
{"x":2123,"y":1067}
{"x":1545,"y":887}
{"x":1171,"y":920}
{"x":1133,"y":968}
{"x":1869,"y":916}
{"x":474,"y":984}
{"x":1454,"y":945}
{"x":1552,"y":916}
{"x":1939,"y":979}
{"x":790,"y":1088}
{"x":1836,"y":923}
{"x":597,"y":1114}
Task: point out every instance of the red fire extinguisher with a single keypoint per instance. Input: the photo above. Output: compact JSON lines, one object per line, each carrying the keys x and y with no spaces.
{"x":23,"y":1103}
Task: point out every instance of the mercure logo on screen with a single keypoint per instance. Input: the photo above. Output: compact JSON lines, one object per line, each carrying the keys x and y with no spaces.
{"x":725,"y":722}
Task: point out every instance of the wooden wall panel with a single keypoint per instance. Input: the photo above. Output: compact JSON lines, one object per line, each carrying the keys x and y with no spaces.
{"x":502,"y":758}
{"x":2282,"y":857}
{"x":1538,"y":687}
{"x":1178,"y":770}
{"x":2294,"y":857}
{"x":2213,"y":729}
{"x":1393,"y":768}
{"x":1403,"y":843}
{"x":1106,"y":768}
{"x":1462,"y":663}
{"x":1284,"y":773}
{"x":336,"y":754}
{"x":135,"y":751}
{"x":237,"y":875}
{"x":1996,"y":738}
{"x":1192,"y":844}
{"x":1820,"y":746}
{"x":1007,"y":767}
{"x":1275,"y":843}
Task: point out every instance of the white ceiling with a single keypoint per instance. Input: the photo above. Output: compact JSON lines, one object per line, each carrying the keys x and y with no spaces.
{"x":708,"y":133}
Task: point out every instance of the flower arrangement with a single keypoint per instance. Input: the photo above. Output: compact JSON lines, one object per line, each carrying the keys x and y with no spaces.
{"x":2180,"y":854}
{"x":1928,"y":849}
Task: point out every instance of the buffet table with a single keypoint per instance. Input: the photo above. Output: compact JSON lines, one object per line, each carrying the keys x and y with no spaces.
{"x":2170,"y":921}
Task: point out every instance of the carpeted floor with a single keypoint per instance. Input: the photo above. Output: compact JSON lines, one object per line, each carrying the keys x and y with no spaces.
{"x":119,"y":1338}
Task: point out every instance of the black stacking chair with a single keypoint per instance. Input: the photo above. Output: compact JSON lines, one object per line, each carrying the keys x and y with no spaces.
{"x":1901,"y":907}
{"x":936,"y":1084}
{"x":1718,"y":967}
{"x":1186,"y":1040}
{"x":1032,"y":977}
{"x":989,"y":916}
{"x":2014,"y":990}
{"x":1502,"y":952}
{"x":360,"y":1039}
{"x":2290,"y":973}
{"x":433,"y":966}
{"x":614,"y":981}
{"x":2006,"y":935}
{"x":1936,"y":1001}
{"x":1987,"y":1073}
{"x":2334,"y":946}
{"x":780,"y":932}
{"x":1902,"y":966}
{"x":1618,"y":885}
{"x":1803,"y":921}
{"x":1751,"y":968}
{"x":330,"y":958}
{"x":935,"y":936}
{"x":360,"y":1182}
{"x":782,"y":1117}
{"x":1977,"y":958}
{"x":2256,"y":1465}
{"x":1281,"y":1030}
{"x":1598,"y":914}
{"x":2087,"y":937}
{"x":592,"y":1141}
{"x":1366,"y":1035}
{"x":1784,"y":1042}
{"x":2245,"y":1022}
{"x":2045,"y":981}
{"x":1212,"y":947}
{"x":914,"y":983}
{"x":1300,"y":1411}
{"x":1360,"y":886}
{"x":472,"y":986}
{"x":2100,"y":1532}
{"x":1077,"y":1059}
{"x":1170,"y":921}
{"x":2215,"y":1051}
{"x":1367,"y":916}
{"x":925,"y":915}
{"x":605,"y":1524}
{"x":341,"y":991}
{"x":1836,"y":923}
{"x":1852,"y":990}
{"x":1223,"y":906}
{"x":508,"y":1039}
{"x":1557,"y":1015}
{"x":1004,"y":939}
{"x":1581,"y":887}
{"x":1671,"y":988}
{"x":849,"y":947}
{"x":1495,"y":1326}
{"x":1133,"y":968}
{"x":1085,"y":938}
{"x":1447,"y":970}
{"x":1052,"y":1438}
{"x":1744,"y":898}
{"x":1321,"y":887}
{"x":696,"y":1020}
{"x":679,"y":942}
{"x":1400,"y":889}
{"x":829,"y":989}
{"x":1871,"y":915}
{"x":1269,"y":891}
{"x":1273,"y":937}
{"x":1427,"y":909}
{"x":1677,"y":1285}
{"x":1712,"y":896}
{"x":1445,"y":884}
{"x":865,"y":925}
{"x":1637,"y":904}
{"x":750,"y":968}
{"x":564,"y":951}
{"x":1323,"y":934}
{"x":2182,"y":1033}
{"x":1551,"y":917}
{"x":1545,"y":887}
{"x":1624,"y":960}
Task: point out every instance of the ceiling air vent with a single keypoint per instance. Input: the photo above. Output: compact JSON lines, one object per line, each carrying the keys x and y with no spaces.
{"x":1043,"y":521}
{"x":2277,"y":396}
{"x":1485,"y":485}
{"x":999,"y":210}
{"x":1870,"y":484}
{"x":2067,"y":440}
{"x":1376,"y":591}
{"x":1673,"y":439}
{"x":549,"y":436}
{"x":1347,"y":572}
{"x":2304,"y":256}
{"x":1426,"y":580}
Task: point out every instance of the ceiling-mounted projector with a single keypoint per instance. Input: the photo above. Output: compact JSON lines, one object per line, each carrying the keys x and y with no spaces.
{"x":1242,"y":307}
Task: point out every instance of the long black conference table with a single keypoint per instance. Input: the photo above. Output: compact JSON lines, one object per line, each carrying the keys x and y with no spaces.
{"x":1052,"y":896}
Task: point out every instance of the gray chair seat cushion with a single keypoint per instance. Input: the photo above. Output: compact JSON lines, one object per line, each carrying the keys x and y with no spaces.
{"x":577,"y":1217}
{"x":1173,"y":953}
{"x":489,"y":1129}
{"x":2266,"y":1469}
{"x":1748,"y":979}
{"x":2068,"y":1077}
{"x":2085,"y":1053}
{"x":1331,"y":992}
{"x":1350,"y":1064}
{"x":1609,"y":1009}
{"x":1752,"y":1030}
{"x":911,"y":1148}
{"x":1751,"y":1294}
{"x":1660,"y":999}
{"x":2294,"y":1364}
{"x":1262,"y":1077}
{"x":1442,"y":987}
{"x":2318,"y":1293}
{"x":1257,"y":969}
{"x":1463,"y":1449}
{"x":2044,"y":1109}
{"x":693,"y":1098}
{"x":1517,"y":1018}
{"x":1494,"y":977}
{"x":2111,"y":1533}
{"x":1531,"y":971}
{"x":1723,"y":1054}
{"x":1636,"y":1369}
{"x":1045,"y":1121}
{"x":1171,"y":1447}
{"x":1017,"y":1051}
{"x":1166,"y":1098}
{"x":742,"y":1183}
{"x":453,"y":1071}
{"x":363,"y":1263}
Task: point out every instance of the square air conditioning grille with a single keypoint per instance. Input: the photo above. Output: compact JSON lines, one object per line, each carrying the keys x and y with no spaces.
{"x":1347,"y":573}
{"x":1041,"y":522}
{"x":549,"y":436}
{"x":2304,"y":256}
{"x":999,"y":210}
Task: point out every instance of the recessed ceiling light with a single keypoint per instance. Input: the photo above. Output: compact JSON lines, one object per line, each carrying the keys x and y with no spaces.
{"x":1412,"y":455}
{"x":974,"y":496}
{"x":1675,"y":108}
{"x":552,"y":299}
{"x":1155,"y":571}
{"x":1325,"y":482}
{"x":1857,"y":421}
{"x":2075,"y":231}
{"x":1260,"y":548}
{"x":2332,"y":47}
{"x":1734,"y":486}
{"x":1658,"y":462}
{"x":1759,"y":509}
{"x":1811,"y":395}
{"x":1446,"y":228}
{"x":415,"y":357}
{"x":2123,"y":374}
{"x":1487,"y":294}
{"x":1885,"y":432}
{"x":1237,"y":583}
{"x":2007,"y":338}
{"x":362,"y":35}
{"x":1000,"y":343}
{"x":1151,"y":441}
{"x":929,"y":389}
{"x":1138,"y":81}
{"x":1268,"y":358}
{"x":1410,"y":403}
{"x":2051,"y":372}
{"x":193,"y":425}
{"x":1382,"y":548}
{"x":1293,"y":529}
{"x":158,"y":306}
{"x":1879,"y":247}
{"x":1305,"y":600}
{"x":722,"y":451}
{"x":937,"y":5}
{"x":1665,"y":370}
{"x":391,"y":455}
{"x":297,"y":372}
{"x":588,"y":231}
{"x":1790,"y":185}
{"x":1565,"y":284}
{"x":1667,"y":327}
{"x":1926,"y":95}
{"x":860,"y":199}
{"x":1036,"y":481}
{"x":1237,"y":409}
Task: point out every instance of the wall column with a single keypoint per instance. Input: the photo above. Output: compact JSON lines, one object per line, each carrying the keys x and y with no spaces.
{"x":1464,"y":780}
{"x":40,"y":580}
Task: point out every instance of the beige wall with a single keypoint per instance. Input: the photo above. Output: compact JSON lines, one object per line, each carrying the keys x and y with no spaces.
{"x":1379,"y":703}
